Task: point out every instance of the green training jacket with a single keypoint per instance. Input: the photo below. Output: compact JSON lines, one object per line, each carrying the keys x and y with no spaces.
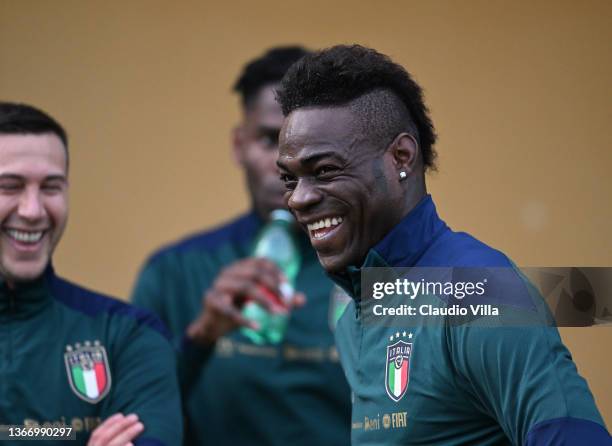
{"x":478,"y":369}
{"x":72,"y":358}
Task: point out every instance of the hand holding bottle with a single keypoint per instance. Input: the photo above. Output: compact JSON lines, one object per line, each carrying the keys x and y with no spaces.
{"x":250,"y":279}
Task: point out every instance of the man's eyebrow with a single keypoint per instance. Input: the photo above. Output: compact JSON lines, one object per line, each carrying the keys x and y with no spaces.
{"x":10,"y":176}
{"x":55,"y":178}
{"x":14,"y":176}
{"x":313,"y":158}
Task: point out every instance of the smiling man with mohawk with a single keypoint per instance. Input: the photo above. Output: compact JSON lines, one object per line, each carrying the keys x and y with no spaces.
{"x":354,"y":148}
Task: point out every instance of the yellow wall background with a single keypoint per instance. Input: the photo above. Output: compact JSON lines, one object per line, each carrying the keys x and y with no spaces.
{"x":519,"y":92}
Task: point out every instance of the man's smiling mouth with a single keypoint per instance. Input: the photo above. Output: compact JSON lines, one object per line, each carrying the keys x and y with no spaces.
{"x":27,"y":237}
{"x":323,"y":227}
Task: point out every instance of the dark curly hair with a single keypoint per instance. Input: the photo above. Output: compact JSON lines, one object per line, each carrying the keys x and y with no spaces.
{"x":266,"y":69}
{"x":384,"y":96}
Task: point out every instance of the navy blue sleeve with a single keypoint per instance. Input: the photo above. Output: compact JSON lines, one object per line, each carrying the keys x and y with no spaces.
{"x":568,"y":431}
{"x":525,"y":378}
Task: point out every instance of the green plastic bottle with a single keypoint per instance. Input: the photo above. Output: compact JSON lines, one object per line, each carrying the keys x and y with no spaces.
{"x":275,"y":242}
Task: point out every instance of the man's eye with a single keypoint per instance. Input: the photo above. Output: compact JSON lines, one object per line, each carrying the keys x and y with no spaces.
{"x":52,"y":187}
{"x":10,"y":187}
{"x":326,"y":171}
{"x":290,"y":181}
{"x":269,"y":139}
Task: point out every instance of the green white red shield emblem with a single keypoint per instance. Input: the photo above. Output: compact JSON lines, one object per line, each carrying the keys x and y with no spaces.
{"x":397,"y":369}
{"x":88,"y":371}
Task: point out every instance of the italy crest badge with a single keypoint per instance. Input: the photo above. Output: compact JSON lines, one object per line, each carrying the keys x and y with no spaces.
{"x":398,"y":366}
{"x":88,"y":370}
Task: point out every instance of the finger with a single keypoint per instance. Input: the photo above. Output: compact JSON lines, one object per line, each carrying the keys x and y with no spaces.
{"x":99,"y":434}
{"x":236,"y":317}
{"x":251,"y":274}
{"x":127,"y":435}
{"x":298,"y":300}
{"x":263,"y":265}
{"x":111,"y":427}
{"x":240,"y":290}
{"x":269,"y":274}
{"x":221,"y":308}
{"x":258,"y":269}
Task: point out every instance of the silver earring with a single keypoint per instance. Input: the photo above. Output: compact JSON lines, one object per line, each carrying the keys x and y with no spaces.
{"x":403,"y":175}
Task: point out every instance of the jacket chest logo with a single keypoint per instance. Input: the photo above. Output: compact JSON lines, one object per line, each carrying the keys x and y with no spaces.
{"x":397,"y":365}
{"x":88,"y":371}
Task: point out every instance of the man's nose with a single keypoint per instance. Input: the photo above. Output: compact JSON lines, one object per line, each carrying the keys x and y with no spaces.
{"x":30,"y":205}
{"x":304,"y":196}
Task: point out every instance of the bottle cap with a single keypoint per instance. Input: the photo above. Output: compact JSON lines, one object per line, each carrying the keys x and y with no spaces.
{"x":282,"y":214}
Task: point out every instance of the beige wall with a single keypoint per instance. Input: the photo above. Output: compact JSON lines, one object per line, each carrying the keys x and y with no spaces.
{"x":519,"y":92}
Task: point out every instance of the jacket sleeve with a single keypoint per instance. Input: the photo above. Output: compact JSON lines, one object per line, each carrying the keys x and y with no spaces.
{"x":524,"y":377}
{"x":144,"y":381}
{"x":154,"y":293}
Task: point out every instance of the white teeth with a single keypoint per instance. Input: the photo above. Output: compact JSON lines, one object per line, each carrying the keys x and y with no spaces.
{"x":325,"y":223}
{"x":25,"y":237}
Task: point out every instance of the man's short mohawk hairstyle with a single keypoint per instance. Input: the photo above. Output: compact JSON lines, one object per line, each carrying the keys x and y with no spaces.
{"x":340,"y":74}
{"x":266,"y":69}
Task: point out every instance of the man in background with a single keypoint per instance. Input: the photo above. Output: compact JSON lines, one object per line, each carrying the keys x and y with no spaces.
{"x":236,"y":392}
{"x":69,"y":357}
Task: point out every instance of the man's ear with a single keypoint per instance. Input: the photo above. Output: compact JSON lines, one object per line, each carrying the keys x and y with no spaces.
{"x":238,"y":144}
{"x":405,"y":153}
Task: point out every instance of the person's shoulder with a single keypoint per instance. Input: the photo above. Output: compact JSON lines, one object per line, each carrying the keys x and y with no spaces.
{"x":463,"y":250}
{"x":238,"y":230}
{"x":473,"y":261}
{"x":93,"y":304}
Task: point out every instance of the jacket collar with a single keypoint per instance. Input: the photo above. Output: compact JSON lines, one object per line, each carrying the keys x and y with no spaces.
{"x":26,"y":298}
{"x":403,"y":246}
